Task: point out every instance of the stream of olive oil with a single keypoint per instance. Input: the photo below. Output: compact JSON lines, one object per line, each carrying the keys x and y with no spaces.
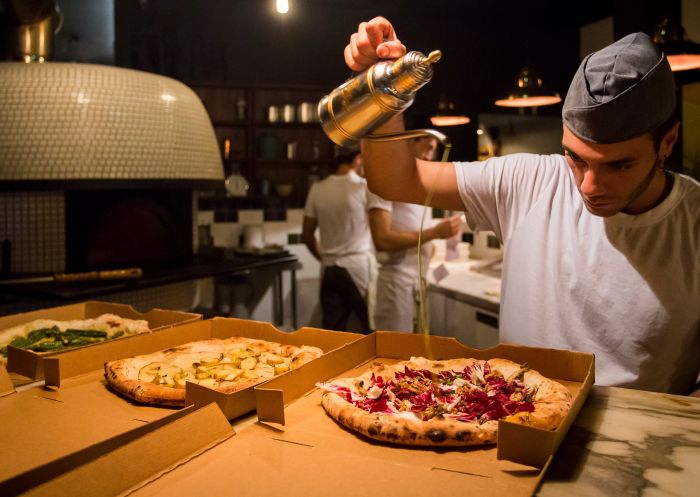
{"x":423,"y":321}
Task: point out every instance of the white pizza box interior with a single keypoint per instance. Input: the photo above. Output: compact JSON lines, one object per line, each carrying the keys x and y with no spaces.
{"x":84,"y":412}
{"x":313,"y":455}
{"x":30,"y":363}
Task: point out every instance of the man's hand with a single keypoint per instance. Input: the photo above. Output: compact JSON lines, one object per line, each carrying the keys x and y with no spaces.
{"x":448,"y":228}
{"x":374,"y":40}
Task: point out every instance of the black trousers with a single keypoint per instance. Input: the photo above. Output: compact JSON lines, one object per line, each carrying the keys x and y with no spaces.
{"x":340,"y":298}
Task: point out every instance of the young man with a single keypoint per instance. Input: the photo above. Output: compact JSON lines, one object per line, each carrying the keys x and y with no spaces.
{"x":338,"y":207}
{"x":602,"y":245}
{"x":395,"y":227}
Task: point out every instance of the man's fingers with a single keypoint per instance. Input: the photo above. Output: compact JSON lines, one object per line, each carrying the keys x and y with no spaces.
{"x":391,"y":50}
{"x":374,"y":40}
{"x":379,"y":30}
{"x":356,"y":60}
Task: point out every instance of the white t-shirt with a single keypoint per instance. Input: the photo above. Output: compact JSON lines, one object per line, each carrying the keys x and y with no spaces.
{"x":626,"y":288}
{"x":339,"y":205}
{"x":404,"y":217}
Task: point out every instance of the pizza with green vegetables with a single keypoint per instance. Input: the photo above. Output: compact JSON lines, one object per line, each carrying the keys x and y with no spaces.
{"x":49,"y":335}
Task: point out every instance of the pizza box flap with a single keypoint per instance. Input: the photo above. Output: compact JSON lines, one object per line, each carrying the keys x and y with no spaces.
{"x":40,"y":425}
{"x":6,"y":386}
{"x":238,"y":403}
{"x":137,"y":456}
{"x":30,"y":363}
{"x":521,"y":444}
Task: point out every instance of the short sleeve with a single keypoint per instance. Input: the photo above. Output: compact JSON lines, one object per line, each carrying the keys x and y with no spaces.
{"x":310,"y":207}
{"x":499,"y":192}
{"x":374,"y":201}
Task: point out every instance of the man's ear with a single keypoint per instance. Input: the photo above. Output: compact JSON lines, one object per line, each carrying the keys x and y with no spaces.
{"x":669,"y":140}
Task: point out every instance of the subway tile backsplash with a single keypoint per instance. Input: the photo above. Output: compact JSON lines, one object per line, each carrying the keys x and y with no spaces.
{"x":34,"y":224}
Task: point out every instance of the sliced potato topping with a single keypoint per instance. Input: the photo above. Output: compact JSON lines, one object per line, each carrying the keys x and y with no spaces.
{"x":248,"y":363}
{"x":214,"y":369}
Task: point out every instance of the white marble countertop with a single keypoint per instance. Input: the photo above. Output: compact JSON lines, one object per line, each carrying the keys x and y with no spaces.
{"x":629,"y":443}
{"x":463,"y":283}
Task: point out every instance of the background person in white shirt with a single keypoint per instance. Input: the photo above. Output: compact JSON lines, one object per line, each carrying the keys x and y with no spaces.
{"x":337,"y":206}
{"x":395,"y":227}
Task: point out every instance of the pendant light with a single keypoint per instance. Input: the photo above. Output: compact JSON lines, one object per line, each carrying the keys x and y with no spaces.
{"x":529,"y":92}
{"x":447,"y":115}
{"x":671,"y":38}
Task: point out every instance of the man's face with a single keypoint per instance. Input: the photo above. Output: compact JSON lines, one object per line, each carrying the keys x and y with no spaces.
{"x":425,"y":148}
{"x":615,"y":177}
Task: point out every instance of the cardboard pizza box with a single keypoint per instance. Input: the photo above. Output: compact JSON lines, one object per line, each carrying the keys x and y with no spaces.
{"x":30,"y":364}
{"x":519,"y":443}
{"x":110,"y":468}
{"x":6,"y":386}
{"x":79,"y":361}
{"x":296,"y":449}
{"x":43,"y":424}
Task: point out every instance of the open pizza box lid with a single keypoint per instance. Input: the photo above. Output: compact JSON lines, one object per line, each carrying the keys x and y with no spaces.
{"x":119,"y":464}
{"x":31,"y":364}
{"x":42,"y":425}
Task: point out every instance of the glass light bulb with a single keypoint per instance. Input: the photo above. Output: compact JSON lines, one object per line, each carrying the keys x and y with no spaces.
{"x":282,"y":6}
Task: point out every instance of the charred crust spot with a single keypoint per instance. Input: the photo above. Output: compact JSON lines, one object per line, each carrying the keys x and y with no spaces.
{"x":392,"y":435}
{"x":372,"y":430}
{"x":462,"y":435}
{"x":436,"y":435}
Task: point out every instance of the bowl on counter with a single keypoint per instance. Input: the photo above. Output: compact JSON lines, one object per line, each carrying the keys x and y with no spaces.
{"x":284,"y":190}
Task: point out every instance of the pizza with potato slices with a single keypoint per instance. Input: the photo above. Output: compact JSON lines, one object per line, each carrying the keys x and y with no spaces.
{"x":225,"y":365}
{"x":452,"y":402}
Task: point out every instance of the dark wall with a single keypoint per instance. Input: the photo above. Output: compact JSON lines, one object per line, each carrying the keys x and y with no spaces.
{"x":485,"y":44}
{"x":245,"y":41}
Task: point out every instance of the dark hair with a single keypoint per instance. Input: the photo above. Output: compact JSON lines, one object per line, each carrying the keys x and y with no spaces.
{"x":346,"y":156}
{"x":658,"y":134}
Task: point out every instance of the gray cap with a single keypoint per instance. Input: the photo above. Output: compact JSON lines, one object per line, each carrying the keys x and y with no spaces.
{"x":620,"y":92}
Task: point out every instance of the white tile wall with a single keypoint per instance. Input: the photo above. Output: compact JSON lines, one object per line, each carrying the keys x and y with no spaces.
{"x":34,"y":223}
{"x":250,"y":216}
{"x":276,"y":232}
{"x":226,"y":234}
{"x":295,"y":217}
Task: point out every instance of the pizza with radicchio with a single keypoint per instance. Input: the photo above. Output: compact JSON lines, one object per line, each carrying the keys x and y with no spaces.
{"x":445,"y":403}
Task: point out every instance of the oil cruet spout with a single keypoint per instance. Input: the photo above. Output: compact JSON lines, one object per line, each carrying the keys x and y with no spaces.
{"x":362,"y":104}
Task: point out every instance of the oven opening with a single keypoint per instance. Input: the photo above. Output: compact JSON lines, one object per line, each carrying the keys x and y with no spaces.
{"x":150,"y":229}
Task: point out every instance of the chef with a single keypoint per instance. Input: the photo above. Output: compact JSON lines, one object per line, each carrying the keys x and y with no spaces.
{"x":337,"y":206}
{"x":395,"y":228}
{"x":602,"y":242}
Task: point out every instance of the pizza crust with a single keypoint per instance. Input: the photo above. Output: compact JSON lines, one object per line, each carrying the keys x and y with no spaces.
{"x":552,"y":402}
{"x":123,"y":375}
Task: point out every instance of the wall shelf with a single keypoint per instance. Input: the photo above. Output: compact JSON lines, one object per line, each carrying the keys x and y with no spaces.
{"x":240,"y":113}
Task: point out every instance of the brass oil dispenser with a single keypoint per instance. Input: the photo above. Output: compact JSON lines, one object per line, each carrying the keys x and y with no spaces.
{"x":356,"y":108}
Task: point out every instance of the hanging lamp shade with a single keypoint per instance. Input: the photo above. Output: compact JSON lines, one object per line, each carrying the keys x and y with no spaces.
{"x":671,"y":38}
{"x":447,"y":115}
{"x":68,"y":121}
{"x":529,"y":92}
